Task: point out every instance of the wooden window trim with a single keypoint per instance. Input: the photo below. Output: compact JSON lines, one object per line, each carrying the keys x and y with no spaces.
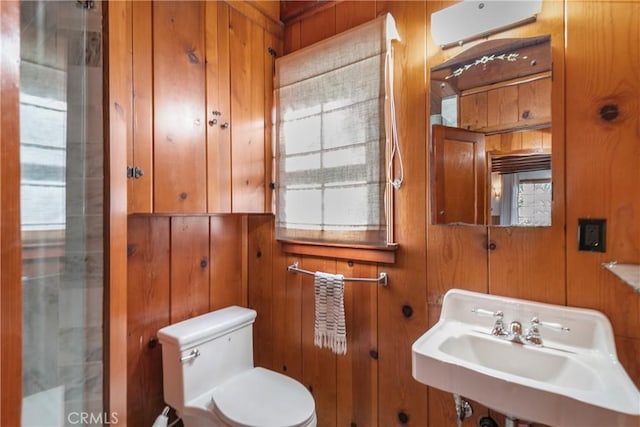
{"x":380,"y":254}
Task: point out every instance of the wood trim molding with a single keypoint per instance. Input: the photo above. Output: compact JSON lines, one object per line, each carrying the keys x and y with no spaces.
{"x":379,"y":254}
{"x":10,"y":237}
{"x":118,"y":130}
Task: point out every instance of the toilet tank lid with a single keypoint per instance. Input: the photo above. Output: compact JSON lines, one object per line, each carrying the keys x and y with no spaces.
{"x":205,"y":327}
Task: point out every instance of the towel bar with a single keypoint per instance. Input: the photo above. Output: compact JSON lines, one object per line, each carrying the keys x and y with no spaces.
{"x":382,"y":279}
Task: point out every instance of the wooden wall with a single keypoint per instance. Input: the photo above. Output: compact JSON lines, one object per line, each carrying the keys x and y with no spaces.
{"x":372,"y":385}
{"x":603,"y":178}
{"x":180,"y":266}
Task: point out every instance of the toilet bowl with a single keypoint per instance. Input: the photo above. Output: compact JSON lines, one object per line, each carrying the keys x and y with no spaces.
{"x":210,"y":380}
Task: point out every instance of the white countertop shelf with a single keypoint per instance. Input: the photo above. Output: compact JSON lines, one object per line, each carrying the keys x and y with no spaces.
{"x":628,"y":273}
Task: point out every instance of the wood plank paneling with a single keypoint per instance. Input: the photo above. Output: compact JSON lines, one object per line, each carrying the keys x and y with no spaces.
{"x":502,"y":105}
{"x":256,"y":14}
{"x":291,"y":9}
{"x":140,"y":193}
{"x":287,"y":315}
{"x":448,"y":248}
{"x":541,"y":277}
{"x":292,"y":38}
{"x":189,"y":267}
{"x":246,"y":41}
{"x":357,"y":371}
{"x":318,"y":364}
{"x":318,"y":26}
{"x":473,"y":111}
{"x":603,"y":68}
{"x":260,"y":265}
{"x":147,"y":311}
{"x":10,"y":237}
{"x":351,"y":13}
{"x":270,"y":8}
{"x":398,"y":392}
{"x":179,"y":115}
{"x":218,"y":108}
{"x":227,"y":248}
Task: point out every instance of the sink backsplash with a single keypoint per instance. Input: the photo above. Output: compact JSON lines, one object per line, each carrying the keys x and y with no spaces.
{"x":588,"y":328}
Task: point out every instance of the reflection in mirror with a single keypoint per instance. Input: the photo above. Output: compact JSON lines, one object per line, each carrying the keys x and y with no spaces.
{"x":491,"y":134}
{"x":520,"y":192}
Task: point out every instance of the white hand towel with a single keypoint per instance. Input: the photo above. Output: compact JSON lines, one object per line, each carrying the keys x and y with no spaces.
{"x":330,"y":325}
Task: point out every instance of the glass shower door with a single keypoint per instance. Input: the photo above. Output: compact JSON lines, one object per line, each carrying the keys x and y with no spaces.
{"x":62,"y":178}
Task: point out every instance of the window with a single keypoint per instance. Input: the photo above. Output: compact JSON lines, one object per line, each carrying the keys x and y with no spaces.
{"x":526,"y":198}
{"x":534,"y":201}
{"x":42,"y":183}
{"x":333,"y":121}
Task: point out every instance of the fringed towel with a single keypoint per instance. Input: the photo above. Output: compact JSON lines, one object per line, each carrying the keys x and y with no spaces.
{"x":330,"y":326}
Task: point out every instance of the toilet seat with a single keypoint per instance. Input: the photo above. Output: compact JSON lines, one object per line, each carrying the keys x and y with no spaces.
{"x":263,"y":398}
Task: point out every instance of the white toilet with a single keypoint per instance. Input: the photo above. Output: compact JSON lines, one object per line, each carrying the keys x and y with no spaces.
{"x":210,"y":380}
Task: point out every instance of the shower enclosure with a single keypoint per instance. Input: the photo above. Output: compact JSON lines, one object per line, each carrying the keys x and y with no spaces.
{"x":62,"y":204}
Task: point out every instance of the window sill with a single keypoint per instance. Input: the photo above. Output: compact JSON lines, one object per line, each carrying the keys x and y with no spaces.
{"x":380,"y":254}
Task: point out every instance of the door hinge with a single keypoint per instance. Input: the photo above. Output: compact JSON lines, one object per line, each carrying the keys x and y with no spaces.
{"x":134,"y":172}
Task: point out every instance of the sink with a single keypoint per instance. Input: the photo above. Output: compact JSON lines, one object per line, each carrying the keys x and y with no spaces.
{"x":573,"y":379}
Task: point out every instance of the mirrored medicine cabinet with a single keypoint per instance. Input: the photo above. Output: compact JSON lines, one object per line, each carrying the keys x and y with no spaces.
{"x":490,"y":135}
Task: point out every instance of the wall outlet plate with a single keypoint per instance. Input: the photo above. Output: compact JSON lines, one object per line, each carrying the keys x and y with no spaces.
{"x":592,"y":234}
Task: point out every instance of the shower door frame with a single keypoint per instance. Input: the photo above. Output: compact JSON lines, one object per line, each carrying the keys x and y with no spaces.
{"x":10,"y":235}
{"x":117,"y":124}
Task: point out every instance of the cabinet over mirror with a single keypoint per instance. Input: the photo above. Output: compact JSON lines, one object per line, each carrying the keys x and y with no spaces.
{"x":491,"y":135}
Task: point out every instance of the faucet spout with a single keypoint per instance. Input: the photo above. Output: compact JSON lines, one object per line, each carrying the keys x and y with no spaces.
{"x":515,"y":332}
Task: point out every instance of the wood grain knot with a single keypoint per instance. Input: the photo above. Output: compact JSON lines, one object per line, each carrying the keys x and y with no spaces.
{"x":403,"y":417}
{"x":609,"y":112}
{"x":153,"y":341}
{"x":131,"y":249}
{"x":193,"y":58}
{"x":407,"y":311}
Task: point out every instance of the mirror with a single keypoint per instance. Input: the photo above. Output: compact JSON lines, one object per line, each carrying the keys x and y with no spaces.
{"x":491,"y":135}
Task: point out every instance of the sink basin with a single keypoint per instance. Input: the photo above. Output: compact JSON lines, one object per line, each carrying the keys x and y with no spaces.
{"x":573,"y":379}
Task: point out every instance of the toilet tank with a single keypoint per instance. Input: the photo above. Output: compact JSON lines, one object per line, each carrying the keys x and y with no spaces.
{"x":201,"y":352}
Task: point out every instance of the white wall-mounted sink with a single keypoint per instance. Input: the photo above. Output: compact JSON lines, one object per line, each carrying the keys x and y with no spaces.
{"x":573,"y":379}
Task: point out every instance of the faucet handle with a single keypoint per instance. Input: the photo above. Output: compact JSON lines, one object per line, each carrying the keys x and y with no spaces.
{"x":533,"y":333}
{"x":487,"y":313}
{"x":551,"y":325}
{"x":498,"y":328}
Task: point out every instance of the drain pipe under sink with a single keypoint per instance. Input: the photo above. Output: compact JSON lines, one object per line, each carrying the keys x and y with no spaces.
{"x":463,"y":409}
{"x":514,"y":422}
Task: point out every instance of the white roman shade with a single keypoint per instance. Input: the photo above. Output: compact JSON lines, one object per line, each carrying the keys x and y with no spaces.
{"x":331,"y":137}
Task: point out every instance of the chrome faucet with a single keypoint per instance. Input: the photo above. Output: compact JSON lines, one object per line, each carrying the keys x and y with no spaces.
{"x":498,"y":328}
{"x":514,"y":334}
{"x":533,"y":333}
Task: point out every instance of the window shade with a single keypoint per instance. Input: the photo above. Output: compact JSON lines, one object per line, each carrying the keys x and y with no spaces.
{"x":331,"y":137}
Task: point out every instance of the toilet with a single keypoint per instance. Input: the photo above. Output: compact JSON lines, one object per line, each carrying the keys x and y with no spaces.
{"x":210,"y":380}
